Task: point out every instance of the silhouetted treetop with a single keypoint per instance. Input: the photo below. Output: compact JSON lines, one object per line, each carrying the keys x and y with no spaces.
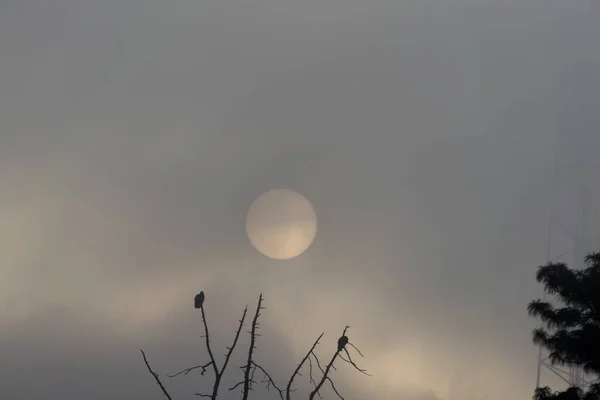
{"x":572,"y":332}
{"x":251,"y":368}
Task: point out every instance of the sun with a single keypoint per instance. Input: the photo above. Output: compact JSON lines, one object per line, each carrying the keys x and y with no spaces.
{"x":281,"y":224}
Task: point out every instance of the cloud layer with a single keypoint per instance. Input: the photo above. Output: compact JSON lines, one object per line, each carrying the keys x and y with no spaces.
{"x":135,"y":135}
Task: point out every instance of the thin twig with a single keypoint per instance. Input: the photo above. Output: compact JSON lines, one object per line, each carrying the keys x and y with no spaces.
{"x":335,"y":389}
{"x":357,"y":350}
{"x":310,"y":374}
{"x":269,"y":380}
{"x":318,"y":363}
{"x":288,"y":388}
{"x":155,"y":375}
{"x":188,"y":370}
{"x":351,"y":362}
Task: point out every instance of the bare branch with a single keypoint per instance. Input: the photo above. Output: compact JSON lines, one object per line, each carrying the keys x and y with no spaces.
{"x":268,"y":380}
{"x":288,"y":389}
{"x":247,"y":370}
{"x":251,"y":367}
{"x":310,"y":374}
{"x":327,"y":369}
{"x":253,"y":371}
{"x":207,"y":338}
{"x":218,"y":372}
{"x":325,"y":375}
{"x":349,"y":361}
{"x":335,"y":389}
{"x":357,"y":350}
{"x":235,"y":340}
{"x":156,"y":378}
{"x":236,"y":385}
{"x":318,"y":363}
{"x":188,"y":370}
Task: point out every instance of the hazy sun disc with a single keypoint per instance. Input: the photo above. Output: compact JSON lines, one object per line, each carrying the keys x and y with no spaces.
{"x":281,"y":224}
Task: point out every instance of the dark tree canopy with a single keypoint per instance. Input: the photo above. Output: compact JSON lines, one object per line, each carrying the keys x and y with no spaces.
{"x":572,"y":332}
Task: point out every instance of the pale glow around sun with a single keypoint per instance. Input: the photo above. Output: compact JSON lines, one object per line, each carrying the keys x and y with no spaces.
{"x":281,"y":224}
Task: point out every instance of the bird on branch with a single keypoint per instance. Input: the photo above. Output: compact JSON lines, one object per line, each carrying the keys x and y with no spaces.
{"x":199,"y":300}
{"x":342,"y":342}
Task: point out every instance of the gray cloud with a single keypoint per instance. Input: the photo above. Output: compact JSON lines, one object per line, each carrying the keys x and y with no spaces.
{"x":135,"y":135}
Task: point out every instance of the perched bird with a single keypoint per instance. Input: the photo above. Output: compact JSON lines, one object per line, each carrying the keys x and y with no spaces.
{"x":199,"y":300}
{"x":342,"y":342}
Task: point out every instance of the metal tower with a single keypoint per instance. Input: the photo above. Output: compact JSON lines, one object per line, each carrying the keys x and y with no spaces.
{"x":573,"y":227}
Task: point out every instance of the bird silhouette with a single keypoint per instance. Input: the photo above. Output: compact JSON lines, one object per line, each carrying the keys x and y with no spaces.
{"x":342,"y":342}
{"x":199,"y":300}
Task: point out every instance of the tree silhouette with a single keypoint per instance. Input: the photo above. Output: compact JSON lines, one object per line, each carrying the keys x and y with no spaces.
{"x":572,"y":332}
{"x":251,"y":367}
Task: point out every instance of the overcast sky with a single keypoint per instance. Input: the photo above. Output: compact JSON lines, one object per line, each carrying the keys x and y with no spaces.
{"x":135,"y":134}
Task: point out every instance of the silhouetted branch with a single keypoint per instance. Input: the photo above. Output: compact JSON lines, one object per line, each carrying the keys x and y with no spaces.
{"x":251,"y":367}
{"x":248,"y":380}
{"x":328,"y":378}
{"x":342,"y":343}
{"x":188,"y":370}
{"x":327,"y":369}
{"x":208,"y":348}
{"x":268,"y":380}
{"x":351,"y":362}
{"x":310,"y":374}
{"x":334,"y":388}
{"x":155,"y":375}
{"x":357,"y":350}
{"x":235,"y":340}
{"x":318,"y":363}
{"x":297,"y":370}
{"x":218,"y":372}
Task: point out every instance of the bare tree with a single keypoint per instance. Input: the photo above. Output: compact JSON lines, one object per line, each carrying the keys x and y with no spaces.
{"x":343,"y":341}
{"x":251,"y":367}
